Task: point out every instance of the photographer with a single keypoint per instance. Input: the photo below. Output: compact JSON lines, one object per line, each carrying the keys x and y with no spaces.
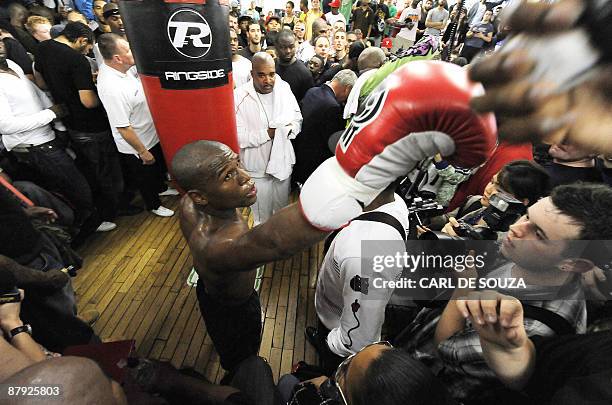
{"x":377,"y":374}
{"x":573,"y":369}
{"x":545,"y":249}
{"x":522,"y":180}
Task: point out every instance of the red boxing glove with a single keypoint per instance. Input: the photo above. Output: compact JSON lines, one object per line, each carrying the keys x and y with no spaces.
{"x":418,"y":111}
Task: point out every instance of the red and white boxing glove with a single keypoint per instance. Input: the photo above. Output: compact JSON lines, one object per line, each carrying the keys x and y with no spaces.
{"x":418,"y":111}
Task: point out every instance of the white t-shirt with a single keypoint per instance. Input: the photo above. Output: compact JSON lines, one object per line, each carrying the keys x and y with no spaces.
{"x":331,"y":18}
{"x":267,"y":101}
{"x":24,"y":113}
{"x":334,"y":295}
{"x":125,"y":104}
{"x":241,"y":71}
{"x":305,"y":51}
{"x":409,"y":14}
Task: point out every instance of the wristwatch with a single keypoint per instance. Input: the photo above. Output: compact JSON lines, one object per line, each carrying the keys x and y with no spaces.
{"x":20,"y":329}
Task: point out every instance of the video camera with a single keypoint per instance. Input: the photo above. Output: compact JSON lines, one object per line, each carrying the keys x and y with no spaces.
{"x":421,"y":204}
{"x":503,"y":211}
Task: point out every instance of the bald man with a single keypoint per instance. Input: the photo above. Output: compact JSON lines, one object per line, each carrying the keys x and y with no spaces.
{"x":78,"y":381}
{"x":267,"y":117}
{"x":225,"y":252}
{"x":306,"y":49}
{"x":368,"y":63}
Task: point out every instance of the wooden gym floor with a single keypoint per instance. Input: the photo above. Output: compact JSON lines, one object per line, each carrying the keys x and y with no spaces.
{"x":136,"y":277}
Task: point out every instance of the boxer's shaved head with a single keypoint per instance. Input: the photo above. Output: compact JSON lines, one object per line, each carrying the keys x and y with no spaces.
{"x":81,"y":382}
{"x":195,"y":164}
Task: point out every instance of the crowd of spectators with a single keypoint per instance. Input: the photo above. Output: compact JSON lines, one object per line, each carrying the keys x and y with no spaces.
{"x":79,"y":144}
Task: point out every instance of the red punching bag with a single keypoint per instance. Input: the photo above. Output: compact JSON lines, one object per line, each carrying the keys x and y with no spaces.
{"x":183,"y":56}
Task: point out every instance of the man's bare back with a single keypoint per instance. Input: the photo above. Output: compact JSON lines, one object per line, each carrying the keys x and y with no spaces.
{"x":201,"y":230}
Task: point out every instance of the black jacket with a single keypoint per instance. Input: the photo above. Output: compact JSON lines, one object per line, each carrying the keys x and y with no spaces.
{"x":322,"y":116}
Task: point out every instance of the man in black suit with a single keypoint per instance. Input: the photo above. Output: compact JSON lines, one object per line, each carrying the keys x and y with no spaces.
{"x":322,"y":109}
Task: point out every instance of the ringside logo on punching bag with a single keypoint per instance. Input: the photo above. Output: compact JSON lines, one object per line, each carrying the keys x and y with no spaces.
{"x":189,"y":33}
{"x":181,"y":49}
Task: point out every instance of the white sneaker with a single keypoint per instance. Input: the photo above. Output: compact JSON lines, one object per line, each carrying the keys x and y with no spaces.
{"x":163,"y":211}
{"x":169,"y":191}
{"x":106,"y":226}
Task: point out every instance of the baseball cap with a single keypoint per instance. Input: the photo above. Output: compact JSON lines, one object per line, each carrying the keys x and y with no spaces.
{"x":386,"y":43}
{"x":111,"y":12}
{"x":334,"y":3}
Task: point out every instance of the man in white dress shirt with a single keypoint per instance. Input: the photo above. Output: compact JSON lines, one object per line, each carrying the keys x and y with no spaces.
{"x":25,"y":117}
{"x":121,"y":92}
{"x":267,"y":117}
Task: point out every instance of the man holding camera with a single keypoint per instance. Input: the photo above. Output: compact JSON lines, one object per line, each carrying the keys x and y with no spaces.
{"x":546,"y":249}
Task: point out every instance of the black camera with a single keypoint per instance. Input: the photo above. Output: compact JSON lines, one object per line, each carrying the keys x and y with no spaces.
{"x":421,"y":204}
{"x":503,"y":211}
{"x":8,"y":288}
{"x":420,"y":208}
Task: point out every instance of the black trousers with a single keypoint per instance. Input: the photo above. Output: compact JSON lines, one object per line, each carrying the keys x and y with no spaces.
{"x":469,"y":52}
{"x":98,"y":160}
{"x":253,"y":377}
{"x":147,"y":179}
{"x":328,"y":360}
{"x":234,"y":330}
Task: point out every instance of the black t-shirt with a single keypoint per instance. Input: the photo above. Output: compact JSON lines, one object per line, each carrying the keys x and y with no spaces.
{"x":27,"y":40}
{"x":17,"y":53}
{"x":246,"y":52}
{"x":363,"y":20}
{"x":298,"y":76}
{"x":561,"y":174}
{"x":66,"y":72}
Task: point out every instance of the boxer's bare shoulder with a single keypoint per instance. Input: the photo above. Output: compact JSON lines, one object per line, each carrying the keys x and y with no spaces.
{"x":223,"y":247}
{"x":210,"y":239}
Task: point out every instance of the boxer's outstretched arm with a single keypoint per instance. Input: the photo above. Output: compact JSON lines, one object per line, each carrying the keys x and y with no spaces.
{"x":373,"y":153}
{"x":286,"y":233}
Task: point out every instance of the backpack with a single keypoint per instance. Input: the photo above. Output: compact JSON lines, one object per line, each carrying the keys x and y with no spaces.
{"x":373,"y":216}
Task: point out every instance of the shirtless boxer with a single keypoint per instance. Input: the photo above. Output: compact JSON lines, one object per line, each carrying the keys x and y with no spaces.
{"x":226,"y":253}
